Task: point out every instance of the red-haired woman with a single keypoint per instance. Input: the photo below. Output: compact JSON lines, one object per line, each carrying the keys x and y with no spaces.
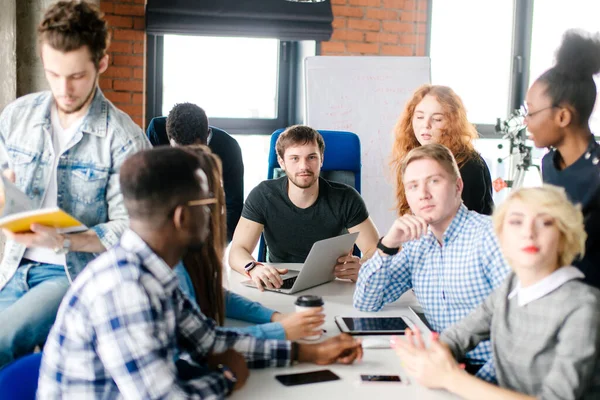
{"x":435,"y":114}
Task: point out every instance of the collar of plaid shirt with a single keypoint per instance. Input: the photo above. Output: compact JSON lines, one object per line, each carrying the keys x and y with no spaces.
{"x":453,"y":229}
{"x":132,"y":242}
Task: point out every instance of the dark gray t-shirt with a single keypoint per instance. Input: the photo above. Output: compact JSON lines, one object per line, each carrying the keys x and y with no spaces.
{"x":291,"y":231}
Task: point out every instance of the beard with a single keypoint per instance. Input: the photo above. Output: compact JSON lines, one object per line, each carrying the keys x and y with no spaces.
{"x":300,"y":183}
{"x":78,"y":106}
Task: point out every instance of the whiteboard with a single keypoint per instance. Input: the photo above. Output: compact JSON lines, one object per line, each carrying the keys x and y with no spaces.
{"x":365,"y":95}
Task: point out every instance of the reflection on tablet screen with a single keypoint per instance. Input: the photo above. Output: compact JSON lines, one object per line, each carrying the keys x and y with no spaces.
{"x":375,"y":324}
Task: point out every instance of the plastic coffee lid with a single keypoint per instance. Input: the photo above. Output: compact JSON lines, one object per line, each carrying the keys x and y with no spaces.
{"x":309,"y":301}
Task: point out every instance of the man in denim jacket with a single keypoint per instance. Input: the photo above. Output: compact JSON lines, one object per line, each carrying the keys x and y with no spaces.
{"x":65,"y":147}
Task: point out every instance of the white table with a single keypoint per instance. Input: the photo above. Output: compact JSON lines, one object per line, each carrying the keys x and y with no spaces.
{"x":337,"y":296}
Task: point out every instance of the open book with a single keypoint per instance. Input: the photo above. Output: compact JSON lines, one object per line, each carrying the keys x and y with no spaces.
{"x":17,"y":212}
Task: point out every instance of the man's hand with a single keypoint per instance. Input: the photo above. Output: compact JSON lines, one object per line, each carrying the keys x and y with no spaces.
{"x":432,"y":367}
{"x":405,"y":229}
{"x":347,"y":267}
{"x":267,"y":276}
{"x":40,"y":236}
{"x":342,"y":349}
{"x":235,"y":361}
{"x":301,"y":324}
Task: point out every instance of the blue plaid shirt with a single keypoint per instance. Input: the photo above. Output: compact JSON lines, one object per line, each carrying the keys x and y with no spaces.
{"x":449,"y":280}
{"x":122,"y":322}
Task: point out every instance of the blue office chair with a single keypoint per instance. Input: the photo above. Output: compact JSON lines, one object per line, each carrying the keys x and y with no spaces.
{"x":19,"y":379}
{"x":341,"y":163}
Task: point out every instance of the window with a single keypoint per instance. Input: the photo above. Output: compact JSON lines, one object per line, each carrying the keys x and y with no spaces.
{"x":550,"y":21}
{"x":249,"y":87}
{"x":470,"y":50}
{"x":228,"y":77}
{"x":255,"y":153}
{"x":246,"y":85}
{"x":490,"y":53}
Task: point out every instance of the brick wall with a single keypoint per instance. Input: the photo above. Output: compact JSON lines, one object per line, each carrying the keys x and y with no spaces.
{"x":360,"y":27}
{"x":123,"y":83}
{"x":378,"y":27}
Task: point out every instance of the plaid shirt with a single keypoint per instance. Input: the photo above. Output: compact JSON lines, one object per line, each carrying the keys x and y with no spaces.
{"x":120,"y":326}
{"x":449,"y":280}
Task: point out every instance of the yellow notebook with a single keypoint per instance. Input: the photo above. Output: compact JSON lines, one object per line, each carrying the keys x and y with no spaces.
{"x":17,"y":212}
{"x":52,"y":217}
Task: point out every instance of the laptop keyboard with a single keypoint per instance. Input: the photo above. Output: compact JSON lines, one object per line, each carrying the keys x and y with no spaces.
{"x":289,"y":282}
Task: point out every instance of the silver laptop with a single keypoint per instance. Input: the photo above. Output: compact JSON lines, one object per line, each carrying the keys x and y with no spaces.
{"x":318,"y":267}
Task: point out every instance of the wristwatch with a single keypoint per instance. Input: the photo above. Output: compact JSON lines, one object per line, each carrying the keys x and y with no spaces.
{"x":250,"y":266}
{"x":66,"y":246}
{"x":229,"y":377}
{"x":390,"y":251}
{"x":295,"y":352}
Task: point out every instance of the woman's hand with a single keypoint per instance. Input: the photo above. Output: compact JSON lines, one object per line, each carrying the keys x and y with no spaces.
{"x":301,"y":324}
{"x":432,"y":367}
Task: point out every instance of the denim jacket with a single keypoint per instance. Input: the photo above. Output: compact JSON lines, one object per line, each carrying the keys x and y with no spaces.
{"x":87,"y":174}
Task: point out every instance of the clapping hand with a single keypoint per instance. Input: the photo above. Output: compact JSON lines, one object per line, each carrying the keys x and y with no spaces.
{"x":431,"y":367}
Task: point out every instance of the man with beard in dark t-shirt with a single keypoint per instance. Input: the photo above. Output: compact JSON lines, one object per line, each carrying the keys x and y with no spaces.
{"x":297,"y":210}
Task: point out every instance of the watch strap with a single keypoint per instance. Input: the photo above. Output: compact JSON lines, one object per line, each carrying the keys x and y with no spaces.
{"x":295,"y":352}
{"x":66,"y":246}
{"x":229,"y":376}
{"x":250,"y":266}
{"x":390,"y":251}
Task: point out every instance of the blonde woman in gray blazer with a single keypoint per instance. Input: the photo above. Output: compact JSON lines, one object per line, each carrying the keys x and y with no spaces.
{"x":543,"y":321}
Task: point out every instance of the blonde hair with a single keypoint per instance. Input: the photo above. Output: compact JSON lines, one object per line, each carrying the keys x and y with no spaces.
{"x":552,"y":200}
{"x":433,"y":151}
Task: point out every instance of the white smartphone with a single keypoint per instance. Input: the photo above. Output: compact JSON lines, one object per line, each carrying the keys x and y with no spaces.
{"x":380,"y":379}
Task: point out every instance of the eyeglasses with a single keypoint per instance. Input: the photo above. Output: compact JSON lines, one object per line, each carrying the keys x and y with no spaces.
{"x":525,"y":113}
{"x":202,"y":202}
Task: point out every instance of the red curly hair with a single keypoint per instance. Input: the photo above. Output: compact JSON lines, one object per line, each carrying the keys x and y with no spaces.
{"x":458,"y":134}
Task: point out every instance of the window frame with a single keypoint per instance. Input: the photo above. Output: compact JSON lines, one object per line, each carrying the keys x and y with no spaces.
{"x":521,"y":56}
{"x":286,"y":90}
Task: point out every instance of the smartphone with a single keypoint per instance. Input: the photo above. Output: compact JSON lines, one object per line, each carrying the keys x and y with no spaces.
{"x":303,"y":378}
{"x":380,"y":378}
{"x":421,"y":316}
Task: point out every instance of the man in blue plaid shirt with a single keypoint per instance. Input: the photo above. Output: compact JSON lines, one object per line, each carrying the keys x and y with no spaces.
{"x":447,"y":254}
{"x":124,"y":322}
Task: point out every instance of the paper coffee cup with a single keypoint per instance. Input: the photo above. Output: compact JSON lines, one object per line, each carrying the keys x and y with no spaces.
{"x":308,"y":302}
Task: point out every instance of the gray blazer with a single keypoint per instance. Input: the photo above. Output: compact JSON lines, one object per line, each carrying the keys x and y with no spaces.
{"x":547,"y":348}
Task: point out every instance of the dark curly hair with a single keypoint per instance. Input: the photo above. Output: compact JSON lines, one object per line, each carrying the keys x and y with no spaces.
{"x":187,"y":124}
{"x":296,"y":135}
{"x":69,"y":25}
{"x":571,"y":80}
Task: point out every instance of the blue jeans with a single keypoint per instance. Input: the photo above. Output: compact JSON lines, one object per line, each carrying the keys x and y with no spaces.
{"x":28,"y":306}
